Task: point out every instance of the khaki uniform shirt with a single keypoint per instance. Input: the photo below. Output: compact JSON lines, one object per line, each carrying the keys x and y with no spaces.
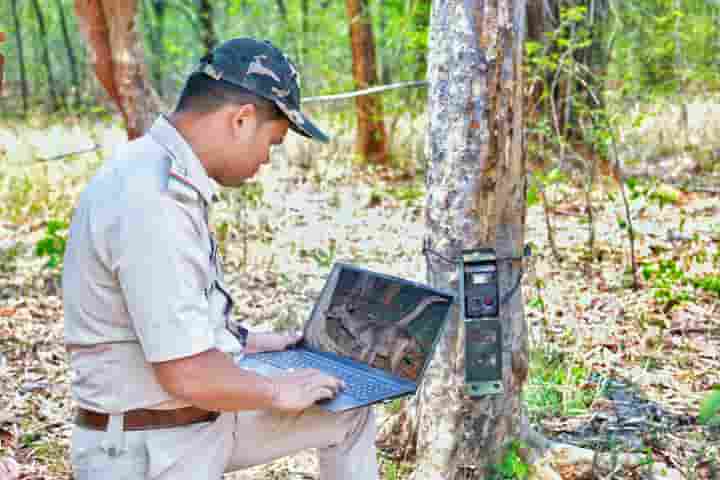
{"x":142,"y":278}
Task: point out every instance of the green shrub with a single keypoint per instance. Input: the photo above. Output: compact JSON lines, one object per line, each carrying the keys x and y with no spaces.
{"x":52,"y":245}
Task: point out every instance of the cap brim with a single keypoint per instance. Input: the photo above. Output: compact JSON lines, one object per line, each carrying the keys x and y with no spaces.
{"x":301,"y":124}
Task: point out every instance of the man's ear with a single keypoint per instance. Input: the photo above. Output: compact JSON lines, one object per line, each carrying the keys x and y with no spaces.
{"x":242,"y":117}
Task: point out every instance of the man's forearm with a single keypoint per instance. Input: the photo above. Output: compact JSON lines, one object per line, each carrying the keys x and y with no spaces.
{"x":211,"y":380}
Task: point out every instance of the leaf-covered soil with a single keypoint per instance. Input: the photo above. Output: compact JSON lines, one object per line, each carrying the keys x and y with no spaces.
{"x":614,"y":368}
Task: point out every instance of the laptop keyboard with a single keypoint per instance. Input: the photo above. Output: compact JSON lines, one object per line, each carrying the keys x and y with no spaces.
{"x":359,"y":386}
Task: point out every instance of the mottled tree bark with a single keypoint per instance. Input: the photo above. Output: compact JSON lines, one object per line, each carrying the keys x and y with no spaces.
{"x":371,"y":138}
{"x":476,"y":197}
{"x":21,"y":55}
{"x":117,"y":56}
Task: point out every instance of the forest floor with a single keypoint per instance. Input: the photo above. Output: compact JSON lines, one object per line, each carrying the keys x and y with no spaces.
{"x":612,"y":368}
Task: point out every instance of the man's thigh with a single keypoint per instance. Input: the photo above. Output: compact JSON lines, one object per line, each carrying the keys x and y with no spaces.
{"x":263,"y":436}
{"x":92,"y":458}
{"x":198,"y":451}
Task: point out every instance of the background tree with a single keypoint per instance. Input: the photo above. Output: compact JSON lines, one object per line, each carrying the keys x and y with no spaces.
{"x":54,"y":98}
{"x":117,"y":56}
{"x":207,"y":28}
{"x":371,"y":139}
{"x":72,"y":61}
{"x":2,"y":62}
{"x":21,"y":56}
{"x":475,"y":197}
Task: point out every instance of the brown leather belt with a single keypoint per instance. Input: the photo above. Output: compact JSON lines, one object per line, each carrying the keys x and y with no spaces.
{"x":144,"y":419}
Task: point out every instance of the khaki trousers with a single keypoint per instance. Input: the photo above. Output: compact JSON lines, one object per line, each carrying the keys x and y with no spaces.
{"x":345,"y":443}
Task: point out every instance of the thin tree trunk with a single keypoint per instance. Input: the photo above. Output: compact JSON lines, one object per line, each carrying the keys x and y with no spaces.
{"x":21,"y":56}
{"x":54,"y":99}
{"x":207,"y":29}
{"x":2,"y":64}
{"x":72,"y":61}
{"x":305,"y":33}
{"x":382,"y":28}
{"x":371,"y":139}
{"x":283,"y":9}
{"x":118,"y":60}
{"x":476,"y":197}
{"x":159,"y":7}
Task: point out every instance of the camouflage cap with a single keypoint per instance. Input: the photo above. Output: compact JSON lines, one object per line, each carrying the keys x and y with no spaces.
{"x":263,"y":69}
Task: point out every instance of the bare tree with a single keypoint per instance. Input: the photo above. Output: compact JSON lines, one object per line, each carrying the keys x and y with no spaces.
{"x":117,"y":56}
{"x":371,"y":137}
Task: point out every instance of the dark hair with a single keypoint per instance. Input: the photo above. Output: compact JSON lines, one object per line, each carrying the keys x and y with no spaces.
{"x":202,"y":94}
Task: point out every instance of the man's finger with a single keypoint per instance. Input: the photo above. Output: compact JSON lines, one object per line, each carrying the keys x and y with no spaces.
{"x":322,"y":393}
{"x":304,"y":372}
{"x":329,"y":382}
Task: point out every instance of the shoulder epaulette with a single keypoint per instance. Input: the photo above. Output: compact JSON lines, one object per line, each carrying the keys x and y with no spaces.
{"x":180,"y":185}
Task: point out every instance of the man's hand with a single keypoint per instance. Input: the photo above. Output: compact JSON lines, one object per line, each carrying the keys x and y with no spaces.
{"x":270,"y":342}
{"x":298,"y":390}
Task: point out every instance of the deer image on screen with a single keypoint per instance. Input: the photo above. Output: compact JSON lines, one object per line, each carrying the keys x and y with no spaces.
{"x":367,"y":313}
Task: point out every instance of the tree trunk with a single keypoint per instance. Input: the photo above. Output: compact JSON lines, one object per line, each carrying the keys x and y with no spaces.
{"x":371,"y":139}
{"x":476,"y":197}
{"x":21,"y":56}
{"x":207,"y":29}
{"x":54,"y":99}
{"x":305,"y":31}
{"x":116,"y":54}
{"x":283,"y":9}
{"x":72,"y":61}
{"x":2,"y":64}
{"x":382,"y":57}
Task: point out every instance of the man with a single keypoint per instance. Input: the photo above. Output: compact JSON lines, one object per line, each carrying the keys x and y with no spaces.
{"x":147,"y":314}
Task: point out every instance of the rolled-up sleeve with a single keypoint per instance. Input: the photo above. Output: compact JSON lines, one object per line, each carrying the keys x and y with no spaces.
{"x":162,"y":264}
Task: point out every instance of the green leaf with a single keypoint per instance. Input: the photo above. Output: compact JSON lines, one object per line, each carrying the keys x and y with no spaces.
{"x":710,"y":409}
{"x":556,"y":176}
{"x":533,"y":196}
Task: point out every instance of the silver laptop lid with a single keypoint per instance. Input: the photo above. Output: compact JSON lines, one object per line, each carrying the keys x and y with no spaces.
{"x":384,"y":321}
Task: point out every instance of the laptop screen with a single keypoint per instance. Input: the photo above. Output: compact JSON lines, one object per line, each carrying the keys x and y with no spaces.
{"x":383,"y":321}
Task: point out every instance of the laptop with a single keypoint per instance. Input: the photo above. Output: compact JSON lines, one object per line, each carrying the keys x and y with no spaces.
{"x":374,"y":331}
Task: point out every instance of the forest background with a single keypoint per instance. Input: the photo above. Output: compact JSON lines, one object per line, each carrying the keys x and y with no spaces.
{"x":623,"y":139}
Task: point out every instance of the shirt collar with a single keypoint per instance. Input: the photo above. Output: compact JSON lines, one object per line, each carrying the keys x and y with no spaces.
{"x":185,"y":166}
